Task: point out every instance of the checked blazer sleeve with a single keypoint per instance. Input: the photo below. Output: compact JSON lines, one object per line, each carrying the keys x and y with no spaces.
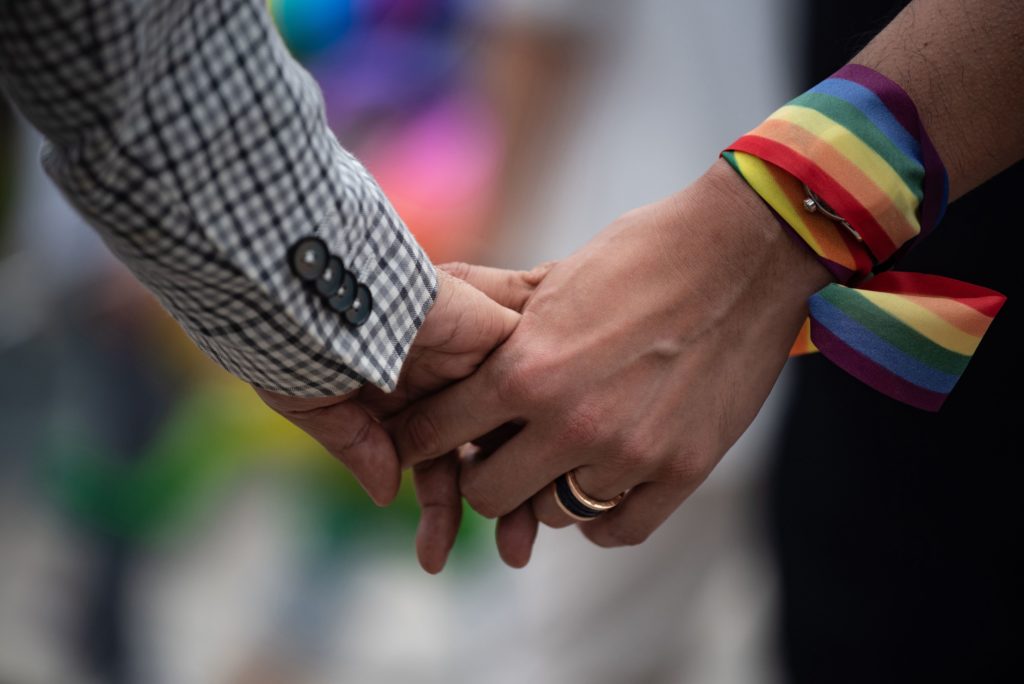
{"x":192,"y":141}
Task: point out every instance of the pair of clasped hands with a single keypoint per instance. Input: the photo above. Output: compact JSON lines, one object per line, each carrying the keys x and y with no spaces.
{"x":636,"y":363}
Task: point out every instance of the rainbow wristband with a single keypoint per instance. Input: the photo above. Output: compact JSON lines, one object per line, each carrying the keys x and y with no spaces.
{"x":857,"y":143}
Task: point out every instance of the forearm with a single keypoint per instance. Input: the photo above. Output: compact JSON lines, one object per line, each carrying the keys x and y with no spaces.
{"x":186,"y":134}
{"x":962,"y":63}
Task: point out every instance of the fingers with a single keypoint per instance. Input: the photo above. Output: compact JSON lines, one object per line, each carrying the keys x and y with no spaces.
{"x":507,"y":288}
{"x":643,"y":510}
{"x":515,"y":534}
{"x":484,"y":446}
{"x":547,"y":511}
{"x":437,"y":490}
{"x":350,"y":434}
{"x":511,"y":289}
{"x":514,"y":473}
{"x":464,"y":319}
{"x":447,"y":420}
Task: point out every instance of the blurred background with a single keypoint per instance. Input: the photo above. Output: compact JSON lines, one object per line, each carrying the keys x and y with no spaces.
{"x":159,"y":525}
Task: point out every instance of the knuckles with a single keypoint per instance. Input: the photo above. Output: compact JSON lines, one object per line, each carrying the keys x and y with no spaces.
{"x":480,"y":498}
{"x":634,"y":452}
{"x":685,"y":469}
{"x":582,"y":427}
{"x":526,"y":378}
{"x":358,"y":435}
{"x":421,"y":435}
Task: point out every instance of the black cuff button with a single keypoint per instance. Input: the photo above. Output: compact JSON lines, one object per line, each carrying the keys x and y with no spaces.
{"x":308,"y":258}
{"x":361,"y":308}
{"x":343,"y":297}
{"x":330,"y":280}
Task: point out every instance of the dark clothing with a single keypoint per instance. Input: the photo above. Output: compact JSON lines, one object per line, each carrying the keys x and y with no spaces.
{"x":897,"y":530}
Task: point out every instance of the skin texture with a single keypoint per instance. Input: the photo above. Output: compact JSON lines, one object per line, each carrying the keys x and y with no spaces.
{"x":462,"y":328}
{"x":962,"y":63}
{"x":642,"y":358}
{"x":639,"y":360}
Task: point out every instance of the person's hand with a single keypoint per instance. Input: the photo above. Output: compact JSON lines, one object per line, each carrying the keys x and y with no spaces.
{"x":638,"y":362}
{"x":458,"y":333}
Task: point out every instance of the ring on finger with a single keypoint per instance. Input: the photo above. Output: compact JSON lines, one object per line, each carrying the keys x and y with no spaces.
{"x":576,"y":503}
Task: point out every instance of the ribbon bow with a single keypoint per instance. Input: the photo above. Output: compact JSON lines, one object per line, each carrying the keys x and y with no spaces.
{"x":853,"y":148}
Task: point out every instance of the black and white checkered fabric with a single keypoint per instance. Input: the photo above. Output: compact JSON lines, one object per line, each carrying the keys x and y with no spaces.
{"x":187,"y":135}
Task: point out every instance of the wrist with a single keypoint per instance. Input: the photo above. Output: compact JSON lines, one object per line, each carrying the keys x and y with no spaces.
{"x":794,"y":269}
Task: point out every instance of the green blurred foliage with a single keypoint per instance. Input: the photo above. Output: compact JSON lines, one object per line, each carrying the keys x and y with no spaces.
{"x":215,"y":437}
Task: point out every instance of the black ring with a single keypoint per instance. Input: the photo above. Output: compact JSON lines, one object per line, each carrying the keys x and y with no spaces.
{"x":569,"y":500}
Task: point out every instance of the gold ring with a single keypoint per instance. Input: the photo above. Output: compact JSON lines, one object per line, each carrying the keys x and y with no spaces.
{"x":576,"y":503}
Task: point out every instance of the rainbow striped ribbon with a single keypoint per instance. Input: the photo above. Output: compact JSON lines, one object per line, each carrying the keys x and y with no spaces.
{"x":857,"y":142}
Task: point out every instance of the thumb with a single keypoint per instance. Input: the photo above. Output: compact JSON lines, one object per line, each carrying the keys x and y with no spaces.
{"x":350,"y":434}
{"x":511,"y":289}
{"x":464,"y":319}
